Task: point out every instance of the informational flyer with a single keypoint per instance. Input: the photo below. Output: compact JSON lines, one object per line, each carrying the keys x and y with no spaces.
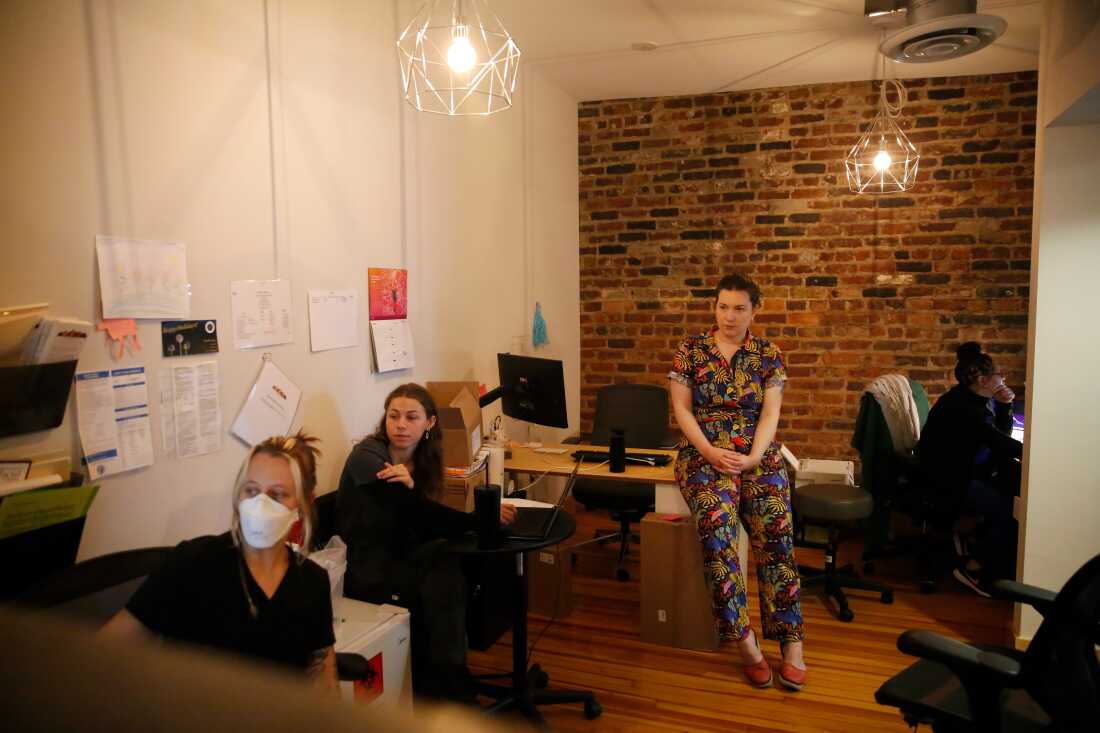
{"x":270,"y":407}
{"x":140,"y":278}
{"x":333,"y":319}
{"x":389,"y":293}
{"x":135,"y":434}
{"x":393,"y":346}
{"x":95,"y":411}
{"x":196,"y":409}
{"x":261,"y":313}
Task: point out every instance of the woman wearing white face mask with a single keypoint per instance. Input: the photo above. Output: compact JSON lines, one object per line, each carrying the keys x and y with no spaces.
{"x":247,"y":591}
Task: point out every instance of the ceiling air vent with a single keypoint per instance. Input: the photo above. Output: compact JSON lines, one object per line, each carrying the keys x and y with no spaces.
{"x":934,"y":30}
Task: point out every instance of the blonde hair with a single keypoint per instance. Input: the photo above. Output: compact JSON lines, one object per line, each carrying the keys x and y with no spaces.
{"x":300,"y":453}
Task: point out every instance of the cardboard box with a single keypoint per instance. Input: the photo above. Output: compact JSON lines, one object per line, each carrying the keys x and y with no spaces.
{"x":459,"y":420}
{"x":550,"y":581}
{"x":458,"y":492}
{"x":821,"y":471}
{"x":676,"y":602}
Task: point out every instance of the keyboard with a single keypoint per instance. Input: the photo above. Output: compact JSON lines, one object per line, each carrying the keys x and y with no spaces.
{"x":602,"y":456}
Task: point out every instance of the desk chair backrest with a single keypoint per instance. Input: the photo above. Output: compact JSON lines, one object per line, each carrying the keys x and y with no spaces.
{"x":880,"y":465}
{"x":95,"y":589}
{"x":640,"y":409}
{"x":1061,"y":666}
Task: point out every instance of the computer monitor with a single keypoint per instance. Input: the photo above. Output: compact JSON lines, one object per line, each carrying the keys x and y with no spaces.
{"x":532,"y":390}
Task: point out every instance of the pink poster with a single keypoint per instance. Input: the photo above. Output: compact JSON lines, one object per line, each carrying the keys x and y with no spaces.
{"x":389,"y":293}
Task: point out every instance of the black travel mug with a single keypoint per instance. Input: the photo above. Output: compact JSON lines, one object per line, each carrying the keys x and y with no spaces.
{"x":487,"y":509}
{"x":616,"y":451}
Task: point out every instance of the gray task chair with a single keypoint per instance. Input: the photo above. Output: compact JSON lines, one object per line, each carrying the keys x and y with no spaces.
{"x":641,"y":411}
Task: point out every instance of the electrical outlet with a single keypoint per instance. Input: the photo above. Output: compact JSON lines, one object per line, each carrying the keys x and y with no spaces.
{"x":547,"y":558}
{"x":662,"y":616}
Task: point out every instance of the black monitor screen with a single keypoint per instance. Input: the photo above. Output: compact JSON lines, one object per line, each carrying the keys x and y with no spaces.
{"x":533,"y":389}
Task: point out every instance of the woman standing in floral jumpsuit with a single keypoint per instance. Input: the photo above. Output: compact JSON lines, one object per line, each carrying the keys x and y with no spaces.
{"x":727,"y":387}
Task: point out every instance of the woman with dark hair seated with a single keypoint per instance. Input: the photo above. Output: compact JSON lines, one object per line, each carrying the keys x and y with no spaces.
{"x":389,"y":515}
{"x":967,"y":449}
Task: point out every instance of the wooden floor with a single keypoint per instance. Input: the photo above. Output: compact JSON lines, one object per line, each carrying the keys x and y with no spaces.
{"x":646,"y":687}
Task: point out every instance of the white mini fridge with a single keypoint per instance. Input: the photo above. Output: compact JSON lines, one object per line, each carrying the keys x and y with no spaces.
{"x":381,"y":634}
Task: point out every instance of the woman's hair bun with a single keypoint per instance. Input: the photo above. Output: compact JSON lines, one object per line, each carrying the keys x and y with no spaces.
{"x":968,"y":351}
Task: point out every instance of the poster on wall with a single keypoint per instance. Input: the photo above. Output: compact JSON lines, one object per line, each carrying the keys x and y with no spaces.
{"x":113,"y":420}
{"x":141,"y":278}
{"x":389,"y":293}
{"x":190,"y":408}
{"x":261,"y":313}
{"x":393,"y":345}
{"x":333,"y":319}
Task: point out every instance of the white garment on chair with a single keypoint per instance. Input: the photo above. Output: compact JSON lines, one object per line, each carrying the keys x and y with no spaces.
{"x":895,"y":397}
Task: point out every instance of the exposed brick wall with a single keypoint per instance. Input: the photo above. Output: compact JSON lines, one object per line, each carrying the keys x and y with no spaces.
{"x":677,"y":191}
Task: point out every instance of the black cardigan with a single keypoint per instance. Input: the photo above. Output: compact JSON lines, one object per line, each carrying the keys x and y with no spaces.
{"x":385,"y":526}
{"x":960,"y":424}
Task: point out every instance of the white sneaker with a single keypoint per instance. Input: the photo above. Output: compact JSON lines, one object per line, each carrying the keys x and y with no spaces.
{"x":965,"y":577}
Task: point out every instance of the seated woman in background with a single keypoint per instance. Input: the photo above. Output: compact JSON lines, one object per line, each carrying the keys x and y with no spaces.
{"x":246,"y":591}
{"x":966,"y":448}
{"x":388,"y":516}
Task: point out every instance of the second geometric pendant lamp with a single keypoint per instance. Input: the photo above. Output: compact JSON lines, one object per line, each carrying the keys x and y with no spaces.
{"x":883,"y":161}
{"x":458,"y":59}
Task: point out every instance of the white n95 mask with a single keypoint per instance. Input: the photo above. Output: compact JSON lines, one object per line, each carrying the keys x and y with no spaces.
{"x":264,"y":521}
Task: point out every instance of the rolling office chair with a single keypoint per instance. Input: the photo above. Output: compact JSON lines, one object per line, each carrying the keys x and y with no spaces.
{"x":641,"y":410}
{"x":832,"y":506}
{"x":1054,"y":685}
{"x":897,"y":484}
{"x":94,"y":590}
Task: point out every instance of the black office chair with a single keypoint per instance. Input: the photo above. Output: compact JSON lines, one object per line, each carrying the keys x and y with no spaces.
{"x":1054,"y":685}
{"x":898,"y":486}
{"x":641,"y":411}
{"x":94,"y":590}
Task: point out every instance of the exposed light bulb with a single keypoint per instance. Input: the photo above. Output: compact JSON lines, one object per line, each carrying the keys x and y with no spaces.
{"x":461,"y":56}
{"x":882,"y":161}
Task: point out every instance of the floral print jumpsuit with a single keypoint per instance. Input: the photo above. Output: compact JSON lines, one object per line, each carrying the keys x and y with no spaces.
{"x":726,"y":399}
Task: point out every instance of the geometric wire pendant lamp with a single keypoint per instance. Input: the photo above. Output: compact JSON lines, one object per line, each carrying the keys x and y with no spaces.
{"x":883,"y":161}
{"x":458,"y":59}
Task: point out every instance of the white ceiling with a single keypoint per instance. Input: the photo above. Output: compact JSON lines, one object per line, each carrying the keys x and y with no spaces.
{"x":724,"y":45}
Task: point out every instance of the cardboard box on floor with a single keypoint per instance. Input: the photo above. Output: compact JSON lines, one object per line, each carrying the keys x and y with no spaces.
{"x":550,"y":581}
{"x":459,"y":420}
{"x":676,"y":602}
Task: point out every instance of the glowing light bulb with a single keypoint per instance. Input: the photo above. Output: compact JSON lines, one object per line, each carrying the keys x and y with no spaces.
{"x":461,"y":56}
{"x":882,"y":161}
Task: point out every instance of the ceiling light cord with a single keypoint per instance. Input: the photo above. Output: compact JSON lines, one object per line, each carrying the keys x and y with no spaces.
{"x":893,"y":110}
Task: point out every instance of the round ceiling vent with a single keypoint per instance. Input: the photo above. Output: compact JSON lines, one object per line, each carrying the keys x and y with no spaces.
{"x":944,"y":38}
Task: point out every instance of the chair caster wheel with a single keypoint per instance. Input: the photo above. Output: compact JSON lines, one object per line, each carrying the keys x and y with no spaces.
{"x":927,"y":586}
{"x":622,"y":575}
{"x":592,"y":710}
{"x":538,"y":677}
{"x":887,"y":597}
{"x":845,"y":615}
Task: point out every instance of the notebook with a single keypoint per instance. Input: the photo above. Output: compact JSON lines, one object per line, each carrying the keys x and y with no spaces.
{"x":534,"y":523}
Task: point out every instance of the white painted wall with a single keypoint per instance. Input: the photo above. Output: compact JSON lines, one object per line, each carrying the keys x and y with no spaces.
{"x":150,"y":118}
{"x":1070,"y":51}
{"x":1060,"y":499}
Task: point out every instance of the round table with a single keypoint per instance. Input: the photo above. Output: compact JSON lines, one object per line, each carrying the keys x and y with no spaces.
{"x":526,"y":691}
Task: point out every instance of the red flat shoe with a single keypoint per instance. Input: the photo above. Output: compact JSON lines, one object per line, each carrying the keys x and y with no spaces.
{"x":792,"y":677}
{"x":759,"y":674}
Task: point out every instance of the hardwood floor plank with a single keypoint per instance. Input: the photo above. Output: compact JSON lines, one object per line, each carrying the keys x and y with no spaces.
{"x":647,"y":687}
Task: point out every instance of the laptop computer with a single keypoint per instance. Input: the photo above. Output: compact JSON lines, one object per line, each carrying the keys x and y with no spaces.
{"x":535,"y":522}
